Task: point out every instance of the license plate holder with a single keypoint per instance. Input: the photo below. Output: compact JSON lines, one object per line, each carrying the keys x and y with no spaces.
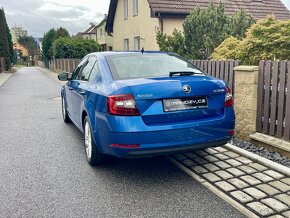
{"x":181,"y":104}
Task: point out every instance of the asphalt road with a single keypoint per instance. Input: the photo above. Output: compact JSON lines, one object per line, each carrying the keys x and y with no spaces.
{"x":44,"y":173}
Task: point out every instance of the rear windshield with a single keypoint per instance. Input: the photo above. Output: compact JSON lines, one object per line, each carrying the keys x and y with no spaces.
{"x":138,"y":65}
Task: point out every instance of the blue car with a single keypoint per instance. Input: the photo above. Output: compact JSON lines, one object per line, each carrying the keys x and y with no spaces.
{"x":136,"y":104}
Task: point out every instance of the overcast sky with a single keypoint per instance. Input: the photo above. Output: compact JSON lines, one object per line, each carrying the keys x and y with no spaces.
{"x":38,"y":16}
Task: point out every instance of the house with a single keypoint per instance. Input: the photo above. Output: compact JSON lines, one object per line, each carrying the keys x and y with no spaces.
{"x":90,"y":33}
{"x":103,"y":39}
{"x":20,"y":49}
{"x":133,"y":23}
{"x":17,"y":32}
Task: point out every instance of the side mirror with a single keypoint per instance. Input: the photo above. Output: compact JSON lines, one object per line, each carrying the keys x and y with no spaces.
{"x":63,"y":77}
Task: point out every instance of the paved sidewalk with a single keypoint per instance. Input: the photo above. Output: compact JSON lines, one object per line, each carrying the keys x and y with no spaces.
{"x":4,"y":77}
{"x":254,"y":188}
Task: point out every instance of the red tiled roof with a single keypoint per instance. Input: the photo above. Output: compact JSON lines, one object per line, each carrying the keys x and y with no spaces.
{"x":256,"y":8}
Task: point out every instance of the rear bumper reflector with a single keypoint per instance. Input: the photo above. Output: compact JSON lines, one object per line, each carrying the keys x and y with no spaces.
{"x":125,"y":145}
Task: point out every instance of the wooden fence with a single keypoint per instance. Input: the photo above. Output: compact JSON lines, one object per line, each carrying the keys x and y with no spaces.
{"x":273,"y":110}
{"x":66,"y":65}
{"x":221,"y":69}
{"x":2,"y":65}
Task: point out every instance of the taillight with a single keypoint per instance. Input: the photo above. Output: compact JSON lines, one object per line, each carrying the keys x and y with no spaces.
{"x":229,"y":100}
{"x":123,"y":105}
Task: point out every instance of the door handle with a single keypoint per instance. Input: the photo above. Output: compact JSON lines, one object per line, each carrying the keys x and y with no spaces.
{"x":82,"y":92}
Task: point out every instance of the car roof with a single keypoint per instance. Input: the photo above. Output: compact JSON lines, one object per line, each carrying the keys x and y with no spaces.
{"x":110,"y":53}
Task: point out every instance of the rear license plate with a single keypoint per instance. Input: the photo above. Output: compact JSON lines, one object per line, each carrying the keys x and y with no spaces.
{"x":184,"y":103}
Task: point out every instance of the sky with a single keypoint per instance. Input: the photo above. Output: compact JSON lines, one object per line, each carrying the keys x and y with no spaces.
{"x":39,"y":16}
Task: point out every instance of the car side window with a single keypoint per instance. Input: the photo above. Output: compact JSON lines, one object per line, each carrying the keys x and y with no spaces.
{"x":86,"y":70}
{"x":95,"y":72}
{"x":78,"y":69}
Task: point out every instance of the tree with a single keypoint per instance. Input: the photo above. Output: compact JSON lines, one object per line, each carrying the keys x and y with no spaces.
{"x":174,"y":43}
{"x":30,"y":44}
{"x":267,"y":39}
{"x":6,"y":46}
{"x":240,"y":23}
{"x":228,"y":49}
{"x":48,"y":40}
{"x":73,"y":47}
{"x":204,"y":30}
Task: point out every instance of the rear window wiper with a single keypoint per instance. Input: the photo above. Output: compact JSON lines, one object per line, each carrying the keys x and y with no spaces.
{"x":182,"y":73}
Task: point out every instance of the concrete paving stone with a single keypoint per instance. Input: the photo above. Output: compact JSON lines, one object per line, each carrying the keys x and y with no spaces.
{"x":238,"y":183}
{"x":241,"y":196}
{"x":251,"y":180}
{"x":211,"y":151}
{"x":222,"y":164}
{"x":256,"y":193}
{"x":247,"y":169}
{"x":286,"y":214}
{"x":260,"y":208}
{"x":191,"y":155}
{"x":188,"y":163}
{"x":274,"y":174}
{"x":286,"y":181}
{"x":235,"y":171}
{"x":268,"y":189}
{"x":244,"y":160}
{"x":199,"y":169}
{"x":275,"y":204}
{"x":225,"y":186}
{"x":210,"y":158}
{"x":200,"y":160}
{"x":211,"y":167}
{"x":284,"y":198}
{"x":221,"y":156}
{"x":201,"y":153}
{"x":231,"y":154}
{"x":258,"y":166}
{"x":224,"y":174}
{"x":281,"y":186}
{"x":233,"y":162}
{"x":211,"y":177}
{"x":220,"y":149}
{"x":179,"y":157}
{"x":263,"y":177}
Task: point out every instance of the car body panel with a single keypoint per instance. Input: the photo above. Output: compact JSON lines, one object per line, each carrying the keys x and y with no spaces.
{"x":154,"y":130}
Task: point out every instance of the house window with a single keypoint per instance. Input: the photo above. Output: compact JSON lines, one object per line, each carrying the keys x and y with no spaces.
{"x":125,"y":9}
{"x":126,"y":44}
{"x":137,"y":45}
{"x":135,"y":7}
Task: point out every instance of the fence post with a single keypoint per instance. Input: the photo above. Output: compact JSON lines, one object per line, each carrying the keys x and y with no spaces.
{"x":246,"y":96}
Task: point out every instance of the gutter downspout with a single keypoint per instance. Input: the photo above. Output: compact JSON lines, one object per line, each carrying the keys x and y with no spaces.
{"x":160,"y":22}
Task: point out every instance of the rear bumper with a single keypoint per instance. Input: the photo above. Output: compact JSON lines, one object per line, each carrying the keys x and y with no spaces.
{"x":161,"y":139}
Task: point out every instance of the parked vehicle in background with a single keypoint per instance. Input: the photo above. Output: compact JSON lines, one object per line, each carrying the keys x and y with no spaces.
{"x":136,"y":104}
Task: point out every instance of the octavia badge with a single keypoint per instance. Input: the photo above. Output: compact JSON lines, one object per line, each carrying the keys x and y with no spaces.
{"x":186,"y":88}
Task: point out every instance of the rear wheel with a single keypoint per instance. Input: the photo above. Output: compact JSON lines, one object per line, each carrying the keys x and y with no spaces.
{"x":94,"y":157}
{"x":65,"y":116}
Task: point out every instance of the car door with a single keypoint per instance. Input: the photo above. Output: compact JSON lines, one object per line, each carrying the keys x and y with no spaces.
{"x":79,"y":89}
{"x":69,"y":87}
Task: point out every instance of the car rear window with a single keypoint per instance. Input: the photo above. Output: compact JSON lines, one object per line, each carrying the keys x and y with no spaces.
{"x":148,"y":65}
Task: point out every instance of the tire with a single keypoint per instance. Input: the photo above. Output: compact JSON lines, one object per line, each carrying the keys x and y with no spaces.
{"x":94,"y":157}
{"x":65,"y":116}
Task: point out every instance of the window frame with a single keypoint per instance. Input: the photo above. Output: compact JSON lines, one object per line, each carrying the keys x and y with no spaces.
{"x":135,"y":8}
{"x":137,"y":43}
{"x":126,"y":11}
{"x":126,"y":44}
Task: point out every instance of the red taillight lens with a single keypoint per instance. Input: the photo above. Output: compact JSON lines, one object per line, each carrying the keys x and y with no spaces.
{"x":232,"y":132}
{"x":123,"y":105}
{"x":229,"y":100}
